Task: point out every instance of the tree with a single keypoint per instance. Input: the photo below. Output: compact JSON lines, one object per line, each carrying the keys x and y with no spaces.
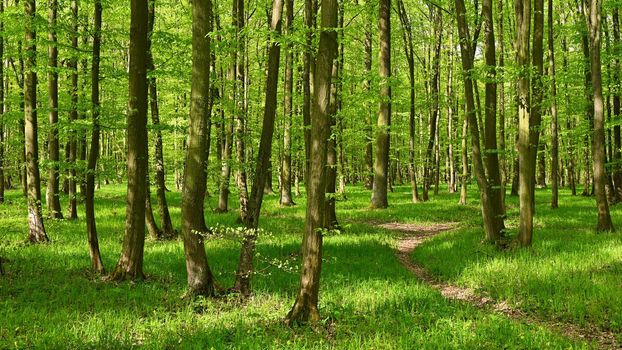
{"x":73,"y":114}
{"x":286,"y":163}
{"x":2,"y":106}
{"x":130,"y":265}
{"x":35,"y":218}
{"x":305,"y":307}
{"x":52,"y":195}
{"x":381,"y":166}
{"x":492,"y":214}
{"x":594,"y":8}
{"x":554,"y":123}
{"x":89,"y":200}
{"x":617,"y":135}
{"x":410,"y":57}
{"x":262,"y":166}
{"x":200,"y":278}
{"x":160,"y":180}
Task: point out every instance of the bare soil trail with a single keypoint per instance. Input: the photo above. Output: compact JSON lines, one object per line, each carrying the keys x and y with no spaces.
{"x":417,"y":234}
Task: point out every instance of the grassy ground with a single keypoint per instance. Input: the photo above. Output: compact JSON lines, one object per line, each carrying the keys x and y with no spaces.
{"x":49,"y":299}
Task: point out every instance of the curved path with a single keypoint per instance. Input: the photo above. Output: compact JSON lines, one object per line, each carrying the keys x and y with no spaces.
{"x":415,"y":235}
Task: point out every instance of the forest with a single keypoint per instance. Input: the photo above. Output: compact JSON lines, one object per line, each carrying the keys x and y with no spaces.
{"x":348,"y":174}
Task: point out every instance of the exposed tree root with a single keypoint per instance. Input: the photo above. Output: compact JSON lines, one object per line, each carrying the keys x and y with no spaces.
{"x":416,"y":234}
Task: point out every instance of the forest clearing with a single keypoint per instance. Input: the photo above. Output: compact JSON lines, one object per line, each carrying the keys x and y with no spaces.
{"x":377,"y":174}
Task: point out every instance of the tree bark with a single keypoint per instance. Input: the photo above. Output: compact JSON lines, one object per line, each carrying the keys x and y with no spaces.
{"x":2,"y":105}
{"x":89,"y":202}
{"x":130,"y":265}
{"x":52,"y":195}
{"x":73,"y":115}
{"x":381,"y":165}
{"x":369,"y":136}
{"x":35,"y":218}
{"x":262,"y":170}
{"x":239,"y":103}
{"x":492,"y":218}
{"x":554,"y":122}
{"x":306,"y":305}
{"x":598,"y":138}
{"x":166,"y":230}
{"x":617,"y":139}
{"x":409,"y":51}
{"x":200,"y":277}
{"x":286,"y":198}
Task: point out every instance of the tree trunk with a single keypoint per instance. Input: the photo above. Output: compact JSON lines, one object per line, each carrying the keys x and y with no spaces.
{"x":200,"y":277}
{"x":526,"y":169}
{"x":409,"y":51}
{"x":89,"y":202}
{"x":598,"y":138}
{"x":167,"y":230}
{"x":52,"y":195}
{"x":492,"y":218}
{"x":331,"y":156}
{"x":306,"y":305}
{"x":434,"y":107}
{"x":239,"y":103}
{"x":381,"y":166}
{"x":262,"y":170}
{"x":369,"y":136}
{"x":35,"y":218}
{"x":286,"y":163}
{"x":465,"y":162}
{"x":73,"y":115}
{"x":130,"y":265}
{"x":617,"y":139}
{"x":2,"y":105}
{"x":490,"y":139}
{"x":554,"y":123}
{"x":501,"y":108}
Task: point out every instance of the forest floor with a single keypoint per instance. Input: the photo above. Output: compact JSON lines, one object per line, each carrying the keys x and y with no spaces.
{"x":50,"y":299}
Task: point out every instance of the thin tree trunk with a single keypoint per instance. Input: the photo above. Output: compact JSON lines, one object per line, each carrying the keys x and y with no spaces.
{"x":598,"y":139}
{"x":286,"y":164}
{"x":617,"y":139}
{"x":369,"y":158}
{"x":554,"y":123}
{"x":331,"y":156}
{"x":73,"y":114}
{"x":52,"y":195}
{"x":130,"y":265}
{"x":262,"y":170}
{"x":306,"y":305}
{"x":501,"y":107}
{"x":239,"y":103}
{"x":381,"y":165}
{"x":35,"y":218}
{"x":89,"y":202}
{"x":2,"y":105}
{"x":465,"y":162}
{"x":167,"y":230}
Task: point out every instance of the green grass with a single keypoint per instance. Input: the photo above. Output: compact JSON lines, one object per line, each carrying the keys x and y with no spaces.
{"x":570,"y":274}
{"x":49,"y":299}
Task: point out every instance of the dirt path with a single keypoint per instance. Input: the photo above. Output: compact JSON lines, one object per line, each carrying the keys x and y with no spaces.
{"x":415,"y":235}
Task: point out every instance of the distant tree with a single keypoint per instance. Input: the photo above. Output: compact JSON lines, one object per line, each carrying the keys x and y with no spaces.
{"x":52,"y":194}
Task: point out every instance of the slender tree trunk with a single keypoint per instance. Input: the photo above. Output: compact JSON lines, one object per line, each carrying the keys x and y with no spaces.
{"x":554,"y":123}
{"x":490,"y":140}
{"x":617,"y":139}
{"x":409,"y":50}
{"x":130,"y":265}
{"x":569,"y":140}
{"x":262,"y":170}
{"x":167,"y":230}
{"x":501,"y":107}
{"x":598,"y":138}
{"x":239,"y":104}
{"x":306,"y":305}
{"x":434,"y":107}
{"x":52,"y":195}
{"x":526,"y":166}
{"x":381,"y":166}
{"x":35,"y":218}
{"x":493,"y":221}
{"x":331,"y":156}
{"x":541,"y":179}
{"x":369,"y":158}
{"x":465,"y":162}
{"x":73,"y":114}
{"x":286,"y":164}
{"x":2,"y":106}
{"x":89,"y":202}
{"x":200,"y":277}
